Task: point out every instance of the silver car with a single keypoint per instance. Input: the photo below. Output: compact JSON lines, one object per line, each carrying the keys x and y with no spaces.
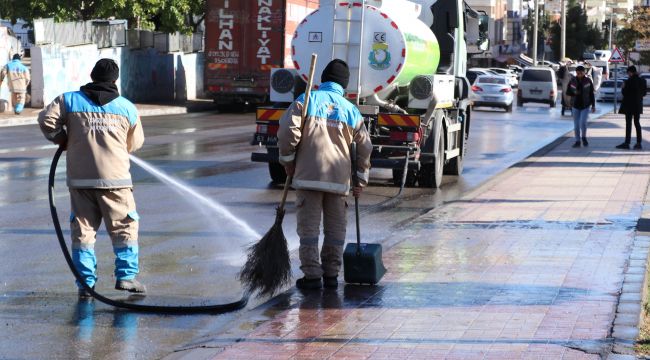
{"x":493,"y":91}
{"x":606,"y":91}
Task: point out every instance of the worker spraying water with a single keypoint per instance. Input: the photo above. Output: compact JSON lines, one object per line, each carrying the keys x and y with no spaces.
{"x":99,"y":129}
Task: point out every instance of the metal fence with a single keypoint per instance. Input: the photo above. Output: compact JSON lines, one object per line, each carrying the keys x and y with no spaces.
{"x":163,"y":42}
{"x":104,"y":33}
{"x":112,"y":33}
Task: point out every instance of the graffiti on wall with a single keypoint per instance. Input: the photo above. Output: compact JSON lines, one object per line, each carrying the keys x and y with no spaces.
{"x":145,"y":75}
{"x":68,"y":68}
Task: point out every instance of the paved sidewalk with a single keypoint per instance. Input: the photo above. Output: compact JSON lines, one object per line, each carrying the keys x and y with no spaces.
{"x":529,"y":266}
{"x":30,"y":115}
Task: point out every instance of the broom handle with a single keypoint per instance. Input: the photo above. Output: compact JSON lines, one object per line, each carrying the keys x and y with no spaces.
{"x":303,"y":117}
{"x":355,"y":182}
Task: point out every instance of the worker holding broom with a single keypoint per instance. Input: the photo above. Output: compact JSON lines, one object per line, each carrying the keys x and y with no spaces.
{"x":317,"y":154}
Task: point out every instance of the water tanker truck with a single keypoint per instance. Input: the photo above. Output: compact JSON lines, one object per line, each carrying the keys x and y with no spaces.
{"x":407,"y":64}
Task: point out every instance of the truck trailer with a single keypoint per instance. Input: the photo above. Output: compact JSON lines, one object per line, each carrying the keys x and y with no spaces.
{"x":246,"y":39}
{"x":408,"y":62}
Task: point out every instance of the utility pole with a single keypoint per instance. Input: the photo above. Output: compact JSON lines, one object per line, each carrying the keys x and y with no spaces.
{"x":562,"y":30}
{"x":611,"y":16}
{"x":535,"y":31}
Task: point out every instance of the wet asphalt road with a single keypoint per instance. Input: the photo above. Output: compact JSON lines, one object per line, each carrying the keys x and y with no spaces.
{"x":190,"y":255}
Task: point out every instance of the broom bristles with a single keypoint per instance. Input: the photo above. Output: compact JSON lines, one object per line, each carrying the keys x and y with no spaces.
{"x":268,"y":267}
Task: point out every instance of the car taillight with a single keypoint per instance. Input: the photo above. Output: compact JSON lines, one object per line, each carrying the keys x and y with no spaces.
{"x":267,"y":129}
{"x":476,"y":88}
{"x":506,"y":90}
{"x":404,"y":136}
{"x":262,"y":129}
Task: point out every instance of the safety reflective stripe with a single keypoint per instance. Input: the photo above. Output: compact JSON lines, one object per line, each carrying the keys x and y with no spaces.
{"x":363,"y":175}
{"x":287,"y":158}
{"x":99,"y":183}
{"x":321,"y":186}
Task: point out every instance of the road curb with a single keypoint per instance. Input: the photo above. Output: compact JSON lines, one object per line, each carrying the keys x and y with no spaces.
{"x":630,"y":310}
{"x":33,"y":120}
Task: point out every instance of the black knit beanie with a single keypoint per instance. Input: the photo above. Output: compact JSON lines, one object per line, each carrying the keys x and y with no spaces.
{"x":105,"y":70}
{"x":337,"y":71}
{"x":16,"y":57}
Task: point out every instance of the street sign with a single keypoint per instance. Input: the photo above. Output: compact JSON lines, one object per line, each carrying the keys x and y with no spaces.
{"x":616,"y":57}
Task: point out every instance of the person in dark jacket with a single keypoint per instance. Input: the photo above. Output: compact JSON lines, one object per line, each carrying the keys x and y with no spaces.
{"x":581,"y":90}
{"x":634,"y":89}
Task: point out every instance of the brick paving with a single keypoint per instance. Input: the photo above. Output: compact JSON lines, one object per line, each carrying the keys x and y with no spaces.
{"x":530,"y":266}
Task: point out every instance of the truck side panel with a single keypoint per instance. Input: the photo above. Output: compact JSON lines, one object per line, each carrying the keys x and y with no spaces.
{"x":244,"y":41}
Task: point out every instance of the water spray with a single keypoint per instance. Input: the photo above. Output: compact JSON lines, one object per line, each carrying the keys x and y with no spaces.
{"x":214,"y":309}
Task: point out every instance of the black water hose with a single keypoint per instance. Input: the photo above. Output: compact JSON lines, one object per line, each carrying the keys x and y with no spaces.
{"x":214,"y":309}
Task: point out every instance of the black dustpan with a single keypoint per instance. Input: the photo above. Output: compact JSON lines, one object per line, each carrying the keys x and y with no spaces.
{"x":362,"y":262}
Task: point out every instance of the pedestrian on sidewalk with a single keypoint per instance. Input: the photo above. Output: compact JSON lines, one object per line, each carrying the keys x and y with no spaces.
{"x":99,"y":128}
{"x":18,"y":79}
{"x":634,"y":89}
{"x":581,"y":90}
{"x":317,"y":155}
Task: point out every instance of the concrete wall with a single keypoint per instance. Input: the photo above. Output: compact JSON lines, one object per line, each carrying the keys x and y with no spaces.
{"x":8,"y":47}
{"x":57,"y":69}
{"x":145,"y":75}
{"x":149,"y":76}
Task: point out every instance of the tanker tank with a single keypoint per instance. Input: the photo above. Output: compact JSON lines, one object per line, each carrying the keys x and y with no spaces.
{"x":396,"y":46}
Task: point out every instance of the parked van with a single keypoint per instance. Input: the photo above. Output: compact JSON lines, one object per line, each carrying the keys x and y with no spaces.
{"x":537,"y":84}
{"x":603,"y":55}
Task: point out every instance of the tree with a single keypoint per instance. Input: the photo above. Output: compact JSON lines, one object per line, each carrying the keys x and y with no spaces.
{"x":543,"y":27}
{"x":160,"y":15}
{"x":580,"y":36}
{"x":636,"y":26}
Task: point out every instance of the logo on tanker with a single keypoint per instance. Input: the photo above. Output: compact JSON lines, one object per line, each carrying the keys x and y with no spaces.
{"x":379,"y":58}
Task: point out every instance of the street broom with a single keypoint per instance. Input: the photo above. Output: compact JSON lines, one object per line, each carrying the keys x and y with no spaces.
{"x":268,"y":267}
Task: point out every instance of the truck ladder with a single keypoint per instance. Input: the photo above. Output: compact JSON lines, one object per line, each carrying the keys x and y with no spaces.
{"x":346,"y":40}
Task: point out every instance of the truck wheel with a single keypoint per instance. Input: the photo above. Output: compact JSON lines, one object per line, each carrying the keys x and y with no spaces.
{"x":276,"y":170}
{"x":411,"y":177}
{"x":430,"y":174}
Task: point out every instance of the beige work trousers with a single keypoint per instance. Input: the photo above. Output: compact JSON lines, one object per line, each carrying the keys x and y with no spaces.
{"x":115,"y":206}
{"x":17,"y":98}
{"x":332,"y":208}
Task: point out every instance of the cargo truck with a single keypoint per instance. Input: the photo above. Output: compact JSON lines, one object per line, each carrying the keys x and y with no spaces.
{"x":246,"y":39}
{"x":407,"y":61}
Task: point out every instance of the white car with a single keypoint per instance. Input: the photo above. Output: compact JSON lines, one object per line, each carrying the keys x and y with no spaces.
{"x":606,"y":91}
{"x":511,"y":75}
{"x":473,"y":73}
{"x":646,"y":77}
{"x":492,"y":91}
{"x":537,"y":84}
